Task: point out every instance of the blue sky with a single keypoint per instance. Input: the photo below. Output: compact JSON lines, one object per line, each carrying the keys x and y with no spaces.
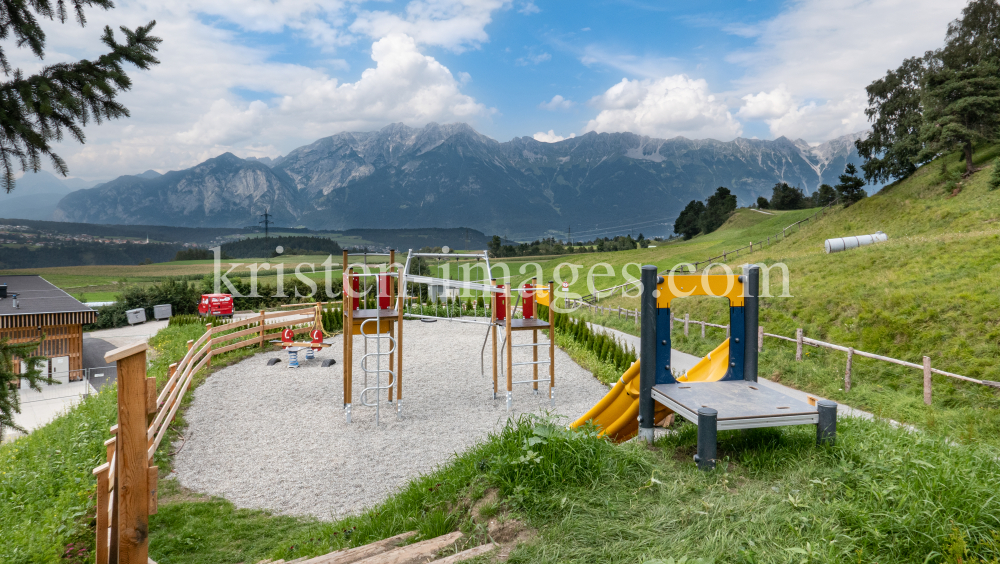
{"x":260,"y":77}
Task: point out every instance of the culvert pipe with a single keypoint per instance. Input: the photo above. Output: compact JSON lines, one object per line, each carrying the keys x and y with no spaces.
{"x":845,"y":243}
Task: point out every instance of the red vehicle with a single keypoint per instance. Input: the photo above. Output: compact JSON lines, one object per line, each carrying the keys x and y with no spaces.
{"x":219,"y":305}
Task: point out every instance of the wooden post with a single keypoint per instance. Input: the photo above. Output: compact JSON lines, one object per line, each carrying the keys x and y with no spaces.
{"x":190,"y":344}
{"x":687,"y":321}
{"x":131,"y":458}
{"x":798,"y":344}
{"x":760,"y":338}
{"x":702,"y":329}
{"x":751,"y":246}
{"x":260,"y":340}
{"x":208,"y":329}
{"x":727,"y":330}
{"x":927,"y":380}
{"x":847,"y":371}
{"x":101,"y":542}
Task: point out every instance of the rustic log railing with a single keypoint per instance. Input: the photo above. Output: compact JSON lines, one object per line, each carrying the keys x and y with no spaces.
{"x":800,"y":340}
{"x":127,"y":482}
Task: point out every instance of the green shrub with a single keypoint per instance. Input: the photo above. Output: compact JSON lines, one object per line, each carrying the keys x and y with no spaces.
{"x":182,"y":297}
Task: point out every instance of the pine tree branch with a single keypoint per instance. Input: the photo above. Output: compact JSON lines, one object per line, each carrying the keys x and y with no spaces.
{"x":63,"y":98}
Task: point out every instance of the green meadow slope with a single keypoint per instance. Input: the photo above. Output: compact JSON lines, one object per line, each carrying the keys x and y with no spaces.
{"x":930,"y":290}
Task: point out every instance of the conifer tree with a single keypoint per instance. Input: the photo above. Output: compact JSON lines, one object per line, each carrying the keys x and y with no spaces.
{"x":40,"y":109}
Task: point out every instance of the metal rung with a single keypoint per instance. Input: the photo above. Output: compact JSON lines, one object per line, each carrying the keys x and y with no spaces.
{"x":530,"y":381}
{"x":532,"y":345}
{"x":528,"y":363}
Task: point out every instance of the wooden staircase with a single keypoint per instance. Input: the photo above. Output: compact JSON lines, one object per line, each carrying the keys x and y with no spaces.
{"x":390,"y":551}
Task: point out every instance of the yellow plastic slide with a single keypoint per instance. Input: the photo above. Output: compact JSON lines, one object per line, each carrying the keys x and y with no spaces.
{"x":616,"y":414}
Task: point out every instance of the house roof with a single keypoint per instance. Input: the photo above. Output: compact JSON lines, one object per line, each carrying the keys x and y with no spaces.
{"x":35,"y":295}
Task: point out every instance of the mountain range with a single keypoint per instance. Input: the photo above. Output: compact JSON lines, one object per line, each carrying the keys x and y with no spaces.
{"x":452,"y":176}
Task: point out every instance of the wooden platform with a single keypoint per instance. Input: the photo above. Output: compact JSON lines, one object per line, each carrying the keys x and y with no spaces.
{"x":741,"y":404}
{"x":524,"y":324}
{"x":363,"y":314}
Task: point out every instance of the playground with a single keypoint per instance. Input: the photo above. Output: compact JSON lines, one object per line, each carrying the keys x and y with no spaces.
{"x":251,"y":423}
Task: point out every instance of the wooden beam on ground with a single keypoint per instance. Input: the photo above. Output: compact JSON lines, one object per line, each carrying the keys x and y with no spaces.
{"x":416,"y":553}
{"x":362,"y":552}
{"x":466,"y":554}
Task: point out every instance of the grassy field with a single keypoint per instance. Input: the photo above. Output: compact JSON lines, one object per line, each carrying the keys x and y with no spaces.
{"x":880,"y":494}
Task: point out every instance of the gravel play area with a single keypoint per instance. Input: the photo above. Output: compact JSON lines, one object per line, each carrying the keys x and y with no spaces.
{"x":271,"y":437}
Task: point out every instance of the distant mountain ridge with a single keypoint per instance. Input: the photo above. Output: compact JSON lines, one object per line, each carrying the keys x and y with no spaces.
{"x":451,"y":175}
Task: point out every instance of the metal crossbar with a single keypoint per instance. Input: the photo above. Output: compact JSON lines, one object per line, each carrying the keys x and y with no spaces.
{"x":529,"y":381}
{"x":529,"y":363}
{"x":545,"y":344}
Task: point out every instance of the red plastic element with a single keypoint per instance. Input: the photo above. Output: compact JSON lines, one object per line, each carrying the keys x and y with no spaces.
{"x":383,"y":291}
{"x":317,"y":338}
{"x":287,"y":336}
{"x":528,"y":303}
{"x":356,"y":286}
{"x":501,"y":304}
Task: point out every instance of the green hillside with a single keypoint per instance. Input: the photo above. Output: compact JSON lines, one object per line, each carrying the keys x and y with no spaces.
{"x":929,"y":290}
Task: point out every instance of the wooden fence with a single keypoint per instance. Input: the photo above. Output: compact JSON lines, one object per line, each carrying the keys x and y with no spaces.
{"x":800,"y":340}
{"x":127,"y":482}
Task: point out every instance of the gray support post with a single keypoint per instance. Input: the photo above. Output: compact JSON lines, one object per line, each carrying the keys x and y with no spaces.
{"x":647,"y":354}
{"x":826,"y":429}
{"x":708,"y":438}
{"x":751,"y":317}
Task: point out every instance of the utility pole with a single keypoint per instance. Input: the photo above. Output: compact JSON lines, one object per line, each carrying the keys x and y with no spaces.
{"x":266,"y":221}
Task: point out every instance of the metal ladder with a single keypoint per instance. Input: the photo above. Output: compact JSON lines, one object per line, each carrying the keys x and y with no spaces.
{"x":378,"y":371}
{"x":510,"y":395}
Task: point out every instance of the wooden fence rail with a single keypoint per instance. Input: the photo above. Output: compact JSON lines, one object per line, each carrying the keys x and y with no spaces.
{"x":800,"y":341}
{"x":126,"y":483}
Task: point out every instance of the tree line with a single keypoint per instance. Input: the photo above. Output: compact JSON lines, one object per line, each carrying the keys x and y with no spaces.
{"x":83,"y":254}
{"x":552,"y":246}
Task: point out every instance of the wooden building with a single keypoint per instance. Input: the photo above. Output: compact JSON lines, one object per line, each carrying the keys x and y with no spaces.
{"x":31,"y":307}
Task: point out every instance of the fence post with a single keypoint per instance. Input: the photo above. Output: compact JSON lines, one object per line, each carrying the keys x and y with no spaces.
{"x":133,"y":470}
{"x":751,"y":246}
{"x":927,"y":380}
{"x":687,"y":320}
{"x":847,"y":372}
{"x":261,"y":338}
{"x":702,"y":329}
{"x":190,"y":344}
{"x":101,"y":547}
{"x":798,"y":344}
{"x":760,"y":338}
{"x":727,"y":330}
{"x":208,"y":329}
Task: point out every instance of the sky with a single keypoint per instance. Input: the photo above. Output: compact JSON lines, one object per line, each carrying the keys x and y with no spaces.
{"x":260,"y":78}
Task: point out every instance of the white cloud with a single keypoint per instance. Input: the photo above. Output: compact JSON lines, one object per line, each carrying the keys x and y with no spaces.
{"x":667,"y":107}
{"x":534,"y":59}
{"x":457,"y":25}
{"x":557,"y":103}
{"x":184,"y":110}
{"x":529,"y":8}
{"x":405,"y":86}
{"x":767,"y":105}
{"x":225,"y":124}
{"x":827,"y":51}
{"x":551,"y":136}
